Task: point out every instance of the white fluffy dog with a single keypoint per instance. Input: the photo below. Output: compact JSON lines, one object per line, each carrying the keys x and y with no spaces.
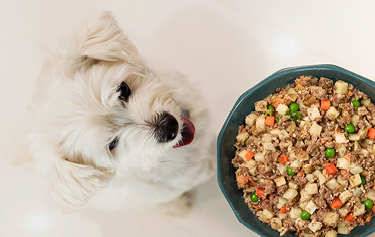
{"x":111,"y":130}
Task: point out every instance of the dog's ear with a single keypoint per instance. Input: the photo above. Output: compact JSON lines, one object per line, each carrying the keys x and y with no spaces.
{"x":100,"y":38}
{"x":73,"y":184}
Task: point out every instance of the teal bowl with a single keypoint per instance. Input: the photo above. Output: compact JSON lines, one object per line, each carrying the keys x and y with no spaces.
{"x":243,"y":106}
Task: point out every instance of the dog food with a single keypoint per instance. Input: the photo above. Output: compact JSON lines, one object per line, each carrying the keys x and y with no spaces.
{"x":305,"y":158}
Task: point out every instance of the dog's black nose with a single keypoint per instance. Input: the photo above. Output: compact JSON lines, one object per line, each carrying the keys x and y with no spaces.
{"x":166,"y":128}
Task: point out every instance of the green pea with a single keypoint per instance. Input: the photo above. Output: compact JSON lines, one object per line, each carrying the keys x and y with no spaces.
{"x":270,"y":110}
{"x":305,"y":215}
{"x":330,"y":152}
{"x":290,"y":171}
{"x":349,"y":128}
{"x":254,"y":197}
{"x":356,"y":103}
{"x":277,"y":118}
{"x":363,"y":180}
{"x":245,"y":143}
{"x":294,"y":107}
{"x":368,"y":204}
{"x":298,"y":116}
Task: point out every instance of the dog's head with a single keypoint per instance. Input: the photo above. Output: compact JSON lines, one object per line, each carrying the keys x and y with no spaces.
{"x":97,"y":106}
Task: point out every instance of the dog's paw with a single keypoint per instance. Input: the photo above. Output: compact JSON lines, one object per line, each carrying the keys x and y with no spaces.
{"x":180,"y":206}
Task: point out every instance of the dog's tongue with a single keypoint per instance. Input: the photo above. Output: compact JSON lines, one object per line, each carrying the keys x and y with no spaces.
{"x":187,"y":133}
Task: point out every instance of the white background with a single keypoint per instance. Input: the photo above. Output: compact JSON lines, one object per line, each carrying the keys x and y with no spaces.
{"x":224,"y":46}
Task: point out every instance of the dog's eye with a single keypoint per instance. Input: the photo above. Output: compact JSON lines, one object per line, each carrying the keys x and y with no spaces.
{"x":125,"y":92}
{"x":113,"y":144}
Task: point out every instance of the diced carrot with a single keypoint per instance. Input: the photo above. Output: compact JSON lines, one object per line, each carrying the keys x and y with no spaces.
{"x":343,"y":172}
{"x":336,"y":203}
{"x":276,"y":101}
{"x":331,"y":168}
{"x":270,"y":121}
{"x":283,"y":210}
{"x":371,"y":133}
{"x":249,"y":154}
{"x":325,"y":104}
{"x":283,"y":159}
{"x":350,"y":217}
{"x":260,"y":193}
{"x":242,"y":181}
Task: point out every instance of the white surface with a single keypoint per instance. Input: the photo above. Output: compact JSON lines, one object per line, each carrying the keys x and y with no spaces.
{"x":224,"y":46}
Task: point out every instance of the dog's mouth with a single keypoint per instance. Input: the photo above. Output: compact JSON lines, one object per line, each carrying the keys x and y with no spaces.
{"x":187,"y":133}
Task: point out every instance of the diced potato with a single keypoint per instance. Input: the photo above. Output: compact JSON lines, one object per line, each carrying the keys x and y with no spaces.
{"x":261,"y":105}
{"x":343,"y":163}
{"x":267,"y":214}
{"x":354,"y":137}
{"x":305,"y":197}
{"x":310,"y":177}
{"x":355,"y":180}
{"x":267,"y":137}
{"x":345,"y":196}
{"x":314,"y":226}
{"x":313,"y":113}
{"x":322,"y":179}
{"x":291,"y":127}
{"x":317,"y":91}
{"x":269,"y":146}
{"x":365,"y":102}
{"x":292,"y":95}
{"x":241,"y":137}
{"x":260,"y":122}
{"x":358,"y":209}
{"x":299,"y":154}
{"x":281,"y":202}
{"x":290,"y":194}
{"x":362,"y":110}
{"x":341,"y":87}
{"x":332,"y":184}
{"x":356,"y":169}
{"x":340,"y":138}
{"x":280,"y":181}
{"x":316,"y":173}
{"x":276,"y":223}
{"x":331,"y":218}
{"x":342,"y":151}
{"x":283,"y":216}
{"x":310,"y":207}
{"x":357,"y":191}
{"x":342,"y":229}
{"x":250,"y":119}
{"x":371,"y":195}
{"x":259,"y":157}
{"x":283,"y":134}
{"x":311,"y":188}
{"x":251,"y":163}
{"x":300,"y":222}
{"x":316,"y":129}
{"x":281,"y":168}
{"x":242,"y":154}
{"x":362,"y":133}
{"x":332,"y":112}
{"x":293,"y":185}
{"x":295,"y":212}
{"x":343,"y":211}
{"x":331,"y":233}
{"x":281,"y":109}
{"x":308,"y":168}
{"x":343,"y":182}
{"x":355,"y":120}
{"x":296,"y":164}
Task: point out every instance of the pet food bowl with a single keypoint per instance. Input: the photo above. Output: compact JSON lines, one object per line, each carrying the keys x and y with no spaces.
{"x":244,"y":105}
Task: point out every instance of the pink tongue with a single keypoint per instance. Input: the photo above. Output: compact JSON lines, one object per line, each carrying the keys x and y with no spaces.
{"x":187,"y":133}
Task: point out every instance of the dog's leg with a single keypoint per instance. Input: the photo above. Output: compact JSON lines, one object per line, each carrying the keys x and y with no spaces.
{"x":180,"y":206}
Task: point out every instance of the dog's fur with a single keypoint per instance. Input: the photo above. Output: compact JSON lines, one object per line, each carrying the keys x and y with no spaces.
{"x":78,"y":113}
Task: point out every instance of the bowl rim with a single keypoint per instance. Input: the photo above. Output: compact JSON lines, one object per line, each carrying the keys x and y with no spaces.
{"x":279,"y":73}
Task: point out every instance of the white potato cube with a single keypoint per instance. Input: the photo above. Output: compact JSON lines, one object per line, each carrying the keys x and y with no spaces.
{"x":358,"y":209}
{"x":313,"y":113}
{"x":259,"y":157}
{"x":304,"y":196}
{"x":345,"y":196}
{"x":355,"y":180}
{"x":242,"y":154}
{"x":343,"y":182}
{"x":290,"y":194}
{"x":354,"y":137}
{"x":355,"y":120}
{"x":241,"y":137}
{"x":250,"y":119}
{"x":295,"y":164}
{"x":322,"y":179}
{"x":269,"y":146}
{"x":310,"y":207}
{"x":371,"y":195}
{"x":340,"y":138}
{"x":261,"y":105}
{"x":341,"y":87}
{"x":362,"y":110}
{"x":260,"y":122}
{"x":316,"y":173}
{"x":331,"y":218}
{"x":332,"y":184}
{"x":332,"y":111}
{"x":300,"y":222}
{"x":295,"y":212}
{"x":310,"y":177}
{"x":276,"y":223}
{"x":280,"y":181}
{"x":343,"y":163}
{"x":281,"y":168}
{"x":281,"y":109}
{"x":365,"y":102}
{"x":311,"y":188}
{"x":308,"y":168}
{"x":293,"y":185}
{"x":281,"y":202}
{"x":314,"y":226}
{"x":267,"y":137}
{"x":356,"y":169}
{"x":342,"y":229}
{"x":362,"y":133}
{"x":331,"y":233}
{"x":343,"y":211}
{"x":299,"y":154}
{"x":315,"y":129}
{"x":283,"y":216}
{"x":267,"y":214}
{"x":357,"y":191}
